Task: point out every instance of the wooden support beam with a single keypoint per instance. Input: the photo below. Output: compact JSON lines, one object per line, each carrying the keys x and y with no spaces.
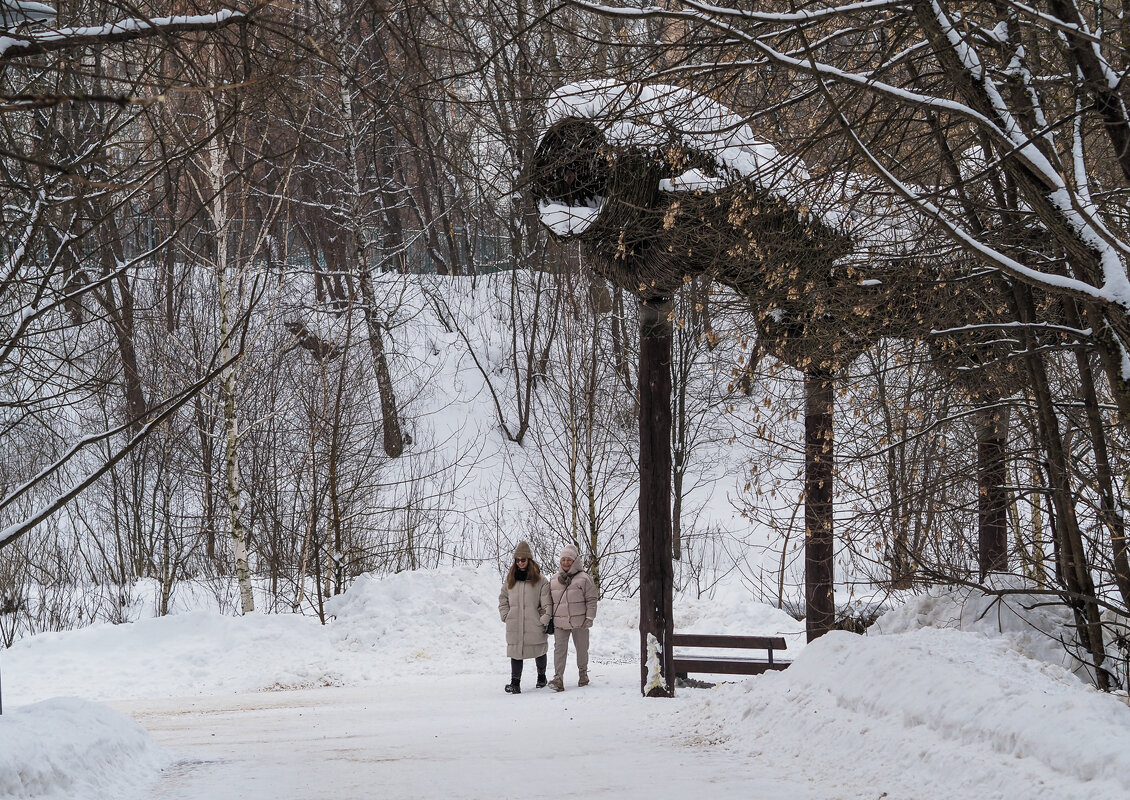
{"x":992,"y":495}
{"x":819,"y":549}
{"x":656,"y":571}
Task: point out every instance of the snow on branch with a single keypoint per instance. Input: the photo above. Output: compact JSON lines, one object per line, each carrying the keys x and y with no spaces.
{"x":12,"y":47}
{"x":636,"y":114}
{"x":1000,"y":131}
{"x":748,"y":15}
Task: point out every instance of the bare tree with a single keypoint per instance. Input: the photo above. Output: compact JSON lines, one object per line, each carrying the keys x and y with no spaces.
{"x":65,"y":251}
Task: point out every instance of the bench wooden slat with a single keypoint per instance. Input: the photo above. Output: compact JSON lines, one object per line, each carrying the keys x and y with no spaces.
{"x":725,"y":664}
{"x":710,"y":640}
{"x":725,"y":667}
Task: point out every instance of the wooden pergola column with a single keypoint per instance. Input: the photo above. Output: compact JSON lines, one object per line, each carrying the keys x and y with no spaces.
{"x":993,"y":493}
{"x":656,"y":571}
{"x":819,"y":543}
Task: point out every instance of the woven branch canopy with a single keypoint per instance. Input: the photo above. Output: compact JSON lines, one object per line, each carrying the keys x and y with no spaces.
{"x":661,"y":184}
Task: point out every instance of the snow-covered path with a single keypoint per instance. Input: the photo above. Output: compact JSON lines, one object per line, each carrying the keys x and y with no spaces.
{"x":603,"y":741}
{"x":400,"y":696}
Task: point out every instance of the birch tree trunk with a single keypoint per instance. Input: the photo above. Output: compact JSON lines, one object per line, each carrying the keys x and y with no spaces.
{"x":232,"y":483}
{"x":215,"y":158}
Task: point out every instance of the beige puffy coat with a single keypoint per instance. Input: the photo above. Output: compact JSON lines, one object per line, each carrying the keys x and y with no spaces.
{"x":525,"y":610}
{"x":575,"y":602}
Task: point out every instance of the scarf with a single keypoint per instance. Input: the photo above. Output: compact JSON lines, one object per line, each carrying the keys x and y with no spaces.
{"x":521,"y":574}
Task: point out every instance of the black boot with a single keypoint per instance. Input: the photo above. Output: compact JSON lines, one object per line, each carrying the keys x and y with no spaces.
{"x":541,"y":664}
{"x":513,"y":687}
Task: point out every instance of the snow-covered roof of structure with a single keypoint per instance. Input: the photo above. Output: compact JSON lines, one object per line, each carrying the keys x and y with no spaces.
{"x":634,"y":115}
{"x":642,"y":115}
{"x":656,"y":116}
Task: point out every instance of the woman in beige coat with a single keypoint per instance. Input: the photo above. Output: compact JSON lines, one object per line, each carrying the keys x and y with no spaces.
{"x":573,"y":595}
{"x":523,"y":605}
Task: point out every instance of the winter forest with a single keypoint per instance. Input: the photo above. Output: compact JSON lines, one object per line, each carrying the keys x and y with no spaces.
{"x":295,"y":293}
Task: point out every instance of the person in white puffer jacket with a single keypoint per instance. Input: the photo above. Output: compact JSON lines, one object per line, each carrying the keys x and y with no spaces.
{"x":574,"y":611}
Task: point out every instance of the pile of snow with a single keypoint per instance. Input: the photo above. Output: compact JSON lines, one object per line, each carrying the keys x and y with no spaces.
{"x":944,"y":708}
{"x":200,"y":652}
{"x":67,"y":748}
{"x":1035,"y":625}
{"x":446,"y":620}
{"x":729,"y":610}
{"x":428,"y":621}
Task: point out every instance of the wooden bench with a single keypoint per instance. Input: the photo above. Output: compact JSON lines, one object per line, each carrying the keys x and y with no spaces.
{"x":726,"y":664}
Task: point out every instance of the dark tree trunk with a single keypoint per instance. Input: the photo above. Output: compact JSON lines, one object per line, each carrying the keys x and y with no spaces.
{"x":1073,"y":567}
{"x":619,"y":339}
{"x":125,"y":334}
{"x":819,"y":550}
{"x":656,"y":571}
{"x":1111,"y":510}
{"x":992,"y":495}
{"x":390,"y":420}
{"x":119,"y":307}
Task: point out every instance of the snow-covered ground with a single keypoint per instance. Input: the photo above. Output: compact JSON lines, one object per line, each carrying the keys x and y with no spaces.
{"x":401,"y":696}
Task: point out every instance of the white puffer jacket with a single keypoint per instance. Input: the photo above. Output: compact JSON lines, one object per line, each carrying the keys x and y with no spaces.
{"x":525,"y":610}
{"x":575,"y":601}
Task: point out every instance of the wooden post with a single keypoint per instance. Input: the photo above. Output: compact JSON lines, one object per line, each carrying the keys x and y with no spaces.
{"x":656,"y":572}
{"x":819,"y":549}
{"x":992,"y":495}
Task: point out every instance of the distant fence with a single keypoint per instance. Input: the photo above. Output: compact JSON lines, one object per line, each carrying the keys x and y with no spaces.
{"x":475,"y":253}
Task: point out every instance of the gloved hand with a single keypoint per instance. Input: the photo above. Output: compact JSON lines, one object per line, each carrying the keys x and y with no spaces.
{"x":588,"y":622}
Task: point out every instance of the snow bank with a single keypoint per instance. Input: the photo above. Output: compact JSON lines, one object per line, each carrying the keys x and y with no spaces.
{"x":430,"y":622}
{"x":1034,"y":625}
{"x":957,"y":710}
{"x":73,"y":749}
{"x":201,"y":652}
{"x":446,"y":620}
{"x":441,"y":620}
{"x":731,"y":611}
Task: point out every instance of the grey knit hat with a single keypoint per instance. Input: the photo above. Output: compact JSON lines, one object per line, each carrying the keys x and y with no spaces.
{"x":523,"y":551}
